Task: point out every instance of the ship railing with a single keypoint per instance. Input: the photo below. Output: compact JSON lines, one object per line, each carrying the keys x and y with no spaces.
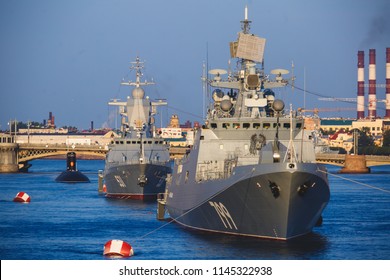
{"x":137,"y":161}
{"x":211,"y":175}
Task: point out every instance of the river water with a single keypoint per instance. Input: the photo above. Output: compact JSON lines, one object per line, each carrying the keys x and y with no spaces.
{"x":73,"y":222}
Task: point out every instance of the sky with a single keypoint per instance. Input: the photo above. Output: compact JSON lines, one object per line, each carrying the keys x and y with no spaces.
{"x":69,"y":57}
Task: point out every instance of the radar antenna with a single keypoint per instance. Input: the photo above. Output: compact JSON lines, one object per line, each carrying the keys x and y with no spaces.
{"x":245,"y":24}
{"x":137,"y":65}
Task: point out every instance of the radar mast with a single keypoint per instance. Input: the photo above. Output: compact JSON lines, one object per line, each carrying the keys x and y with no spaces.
{"x":245,"y":24}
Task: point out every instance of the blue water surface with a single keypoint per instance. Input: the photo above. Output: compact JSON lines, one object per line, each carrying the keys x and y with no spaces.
{"x":73,"y":222}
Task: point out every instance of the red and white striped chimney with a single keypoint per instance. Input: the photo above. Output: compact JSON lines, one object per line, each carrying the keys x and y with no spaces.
{"x":360,"y":85}
{"x":387,"y":83}
{"x":372,"y":85}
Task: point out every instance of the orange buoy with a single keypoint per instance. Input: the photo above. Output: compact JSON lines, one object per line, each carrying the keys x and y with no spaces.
{"x":104,"y":188}
{"x":118,"y":248}
{"x":22,"y":197}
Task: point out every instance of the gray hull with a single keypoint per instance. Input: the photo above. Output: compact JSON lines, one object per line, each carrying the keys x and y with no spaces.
{"x":268,"y":201}
{"x":135,"y":181}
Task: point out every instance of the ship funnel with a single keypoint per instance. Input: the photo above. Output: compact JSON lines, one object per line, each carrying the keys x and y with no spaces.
{"x":372,"y":85}
{"x":387,"y":83}
{"x":360,"y":85}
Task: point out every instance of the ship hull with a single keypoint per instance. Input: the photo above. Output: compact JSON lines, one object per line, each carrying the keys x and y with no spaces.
{"x":267,"y":201}
{"x":135,"y":181}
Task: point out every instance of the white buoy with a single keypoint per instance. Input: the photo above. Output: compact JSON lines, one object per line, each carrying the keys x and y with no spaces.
{"x":22,"y":197}
{"x":118,"y":248}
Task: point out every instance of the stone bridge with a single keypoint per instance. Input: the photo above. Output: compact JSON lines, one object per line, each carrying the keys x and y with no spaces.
{"x":339,"y":160}
{"x":27,"y":152}
{"x":15,"y":157}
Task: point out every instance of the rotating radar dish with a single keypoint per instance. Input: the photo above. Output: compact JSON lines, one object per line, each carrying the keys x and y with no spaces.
{"x":279,"y":71}
{"x":217,"y":72}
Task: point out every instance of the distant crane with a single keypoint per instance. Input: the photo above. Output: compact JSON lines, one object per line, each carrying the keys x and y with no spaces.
{"x":355,"y":99}
{"x":337,"y":99}
{"x":376,"y":85}
{"x":315,"y":111}
{"x":376,"y":100}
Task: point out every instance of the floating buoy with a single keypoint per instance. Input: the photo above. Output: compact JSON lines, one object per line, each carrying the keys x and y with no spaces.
{"x":22,"y":197}
{"x":104,"y":188}
{"x":118,"y":248}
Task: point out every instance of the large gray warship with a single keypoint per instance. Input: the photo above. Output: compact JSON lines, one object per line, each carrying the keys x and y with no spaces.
{"x":251,"y":170}
{"x":137,"y":162}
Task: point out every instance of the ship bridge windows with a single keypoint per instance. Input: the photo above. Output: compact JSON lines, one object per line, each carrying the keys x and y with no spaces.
{"x":256,"y":125}
{"x":286,"y":125}
{"x":246,"y":125}
{"x":226,"y":125}
{"x":266,"y":125}
{"x":213,"y":125}
{"x":276,"y":124}
{"x":299,"y":125}
{"x":127,"y":142}
{"x":236,"y":125}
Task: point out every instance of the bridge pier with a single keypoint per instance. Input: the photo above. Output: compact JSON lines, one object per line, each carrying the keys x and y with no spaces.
{"x":8,"y":154}
{"x":355,"y":164}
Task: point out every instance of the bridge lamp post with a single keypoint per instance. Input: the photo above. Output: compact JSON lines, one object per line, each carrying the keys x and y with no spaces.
{"x":16,"y":123}
{"x":355,"y":141}
{"x":28,"y":132}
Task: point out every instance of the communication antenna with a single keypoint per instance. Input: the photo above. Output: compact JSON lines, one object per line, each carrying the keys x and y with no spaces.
{"x":229,"y":70}
{"x":245,"y":24}
{"x":304,"y":87}
{"x":204,"y":80}
{"x":292,"y":76}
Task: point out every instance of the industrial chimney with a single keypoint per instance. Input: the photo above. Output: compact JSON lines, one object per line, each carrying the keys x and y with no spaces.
{"x":372,"y":86}
{"x":387,"y":83}
{"x":360,"y":85}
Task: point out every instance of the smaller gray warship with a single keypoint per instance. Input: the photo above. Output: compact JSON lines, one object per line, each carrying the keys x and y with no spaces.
{"x":137,"y":162}
{"x":251,"y":170}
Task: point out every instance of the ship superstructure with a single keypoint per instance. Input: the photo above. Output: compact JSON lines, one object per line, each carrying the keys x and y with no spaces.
{"x":251,"y":170}
{"x":137,"y":163}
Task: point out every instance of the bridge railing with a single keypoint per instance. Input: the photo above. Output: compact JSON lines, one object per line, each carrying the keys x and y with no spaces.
{"x":63,"y":146}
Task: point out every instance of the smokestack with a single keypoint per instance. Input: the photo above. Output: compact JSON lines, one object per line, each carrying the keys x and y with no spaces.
{"x":387,"y":83}
{"x":372,"y":86}
{"x":360,"y":85}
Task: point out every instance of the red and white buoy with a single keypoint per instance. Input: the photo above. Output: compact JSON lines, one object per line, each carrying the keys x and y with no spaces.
{"x":118,"y":248}
{"x":22,"y":197}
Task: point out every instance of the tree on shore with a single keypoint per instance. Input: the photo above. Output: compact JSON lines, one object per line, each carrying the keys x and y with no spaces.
{"x":386,"y":138}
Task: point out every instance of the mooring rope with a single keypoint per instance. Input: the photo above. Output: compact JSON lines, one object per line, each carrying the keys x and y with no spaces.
{"x":189,"y":211}
{"x":176,"y":219}
{"x":356,"y":182}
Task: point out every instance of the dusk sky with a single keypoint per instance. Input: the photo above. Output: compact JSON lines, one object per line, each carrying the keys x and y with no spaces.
{"x":69,"y":57}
